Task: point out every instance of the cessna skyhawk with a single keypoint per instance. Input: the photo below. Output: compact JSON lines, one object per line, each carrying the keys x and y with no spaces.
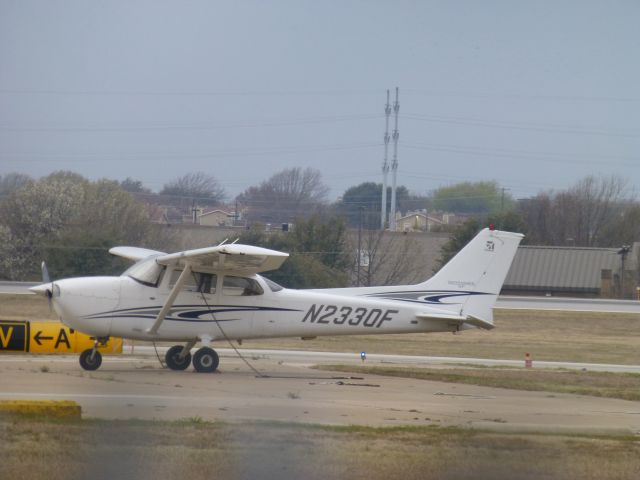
{"x":216,"y":293}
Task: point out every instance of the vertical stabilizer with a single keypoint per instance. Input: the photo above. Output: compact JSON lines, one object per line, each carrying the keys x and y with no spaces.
{"x":470,"y":282}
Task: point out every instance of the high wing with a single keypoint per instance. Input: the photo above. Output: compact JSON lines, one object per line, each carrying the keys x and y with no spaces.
{"x":233,"y":258}
{"x":133,"y":253}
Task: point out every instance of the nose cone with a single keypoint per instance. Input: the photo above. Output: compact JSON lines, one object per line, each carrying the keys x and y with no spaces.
{"x":42,"y":289}
{"x":86,"y":304}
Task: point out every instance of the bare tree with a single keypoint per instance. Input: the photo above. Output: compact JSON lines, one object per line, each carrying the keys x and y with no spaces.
{"x":390,"y":258}
{"x":199,"y":186}
{"x":578,"y":215}
{"x":289,"y":194}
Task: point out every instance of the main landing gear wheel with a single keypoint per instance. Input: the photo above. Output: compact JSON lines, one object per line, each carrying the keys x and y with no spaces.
{"x":174,"y":360}
{"x":90,"y":359}
{"x":206,"y":360}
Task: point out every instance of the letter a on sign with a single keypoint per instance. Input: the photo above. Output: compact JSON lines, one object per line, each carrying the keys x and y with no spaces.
{"x":62,"y":338}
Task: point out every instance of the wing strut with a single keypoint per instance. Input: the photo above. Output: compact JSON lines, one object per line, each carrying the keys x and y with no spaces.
{"x":170,"y":299}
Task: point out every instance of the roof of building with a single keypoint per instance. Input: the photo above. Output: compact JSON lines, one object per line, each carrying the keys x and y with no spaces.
{"x":204,"y":214}
{"x":420,"y":214}
{"x":574,"y":269}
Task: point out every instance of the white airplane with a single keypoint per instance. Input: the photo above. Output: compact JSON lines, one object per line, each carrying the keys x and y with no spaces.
{"x":215,"y":293}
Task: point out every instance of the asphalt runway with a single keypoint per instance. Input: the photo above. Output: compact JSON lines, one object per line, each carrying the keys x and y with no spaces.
{"x":137,"y":387}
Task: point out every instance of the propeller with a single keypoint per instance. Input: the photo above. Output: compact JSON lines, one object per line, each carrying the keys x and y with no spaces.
{"x":46,"y":278}
{"x":47,"y":288}
{"x":45,"y":273}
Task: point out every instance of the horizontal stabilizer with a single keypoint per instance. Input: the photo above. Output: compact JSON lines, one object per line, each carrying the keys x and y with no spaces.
{"x":456,"y":320}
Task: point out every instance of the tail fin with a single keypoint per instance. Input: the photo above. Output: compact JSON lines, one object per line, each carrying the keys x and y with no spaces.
{"x":470,"y":282}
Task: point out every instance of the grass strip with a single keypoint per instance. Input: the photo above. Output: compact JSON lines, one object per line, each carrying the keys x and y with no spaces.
{"x":624,"y":386}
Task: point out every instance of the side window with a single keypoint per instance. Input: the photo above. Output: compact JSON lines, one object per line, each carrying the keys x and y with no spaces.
{"x":240,"y":286}
{"x":196,"y":282}
{"x":206,"y":282}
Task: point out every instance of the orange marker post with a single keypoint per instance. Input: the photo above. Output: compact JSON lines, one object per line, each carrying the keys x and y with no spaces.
{"x":528,"y":363}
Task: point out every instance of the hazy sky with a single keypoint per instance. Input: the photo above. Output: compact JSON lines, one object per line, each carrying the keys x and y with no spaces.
{"x":533,"y":94}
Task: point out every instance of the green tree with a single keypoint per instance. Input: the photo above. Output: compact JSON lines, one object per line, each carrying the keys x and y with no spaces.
{"x":32,"y":216}
{"x":463,"y":234}
{"x":366,"y":199}
{"x":318,"y":258}
{"x":109,"y":216}
{"x":472,"y":198}
{"x":12,"y":182}
{"x":71,"y":223}
{"x":133,"y":186}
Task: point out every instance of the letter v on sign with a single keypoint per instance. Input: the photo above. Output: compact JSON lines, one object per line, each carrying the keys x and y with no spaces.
{"x":14,"y":336}
{"x":5,"y":337}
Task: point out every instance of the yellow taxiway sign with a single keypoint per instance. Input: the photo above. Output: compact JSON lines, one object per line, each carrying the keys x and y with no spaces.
{"x":48,"y":337}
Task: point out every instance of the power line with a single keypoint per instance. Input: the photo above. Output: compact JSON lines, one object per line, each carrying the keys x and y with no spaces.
{"x":276,"y":93}
{"x":150,"y":126}
{"x":82,"y":156}
{"x":178,"y":93}
{"x":517,"y":96}
{"x":542,"y":156}
{"x":512,"y":125}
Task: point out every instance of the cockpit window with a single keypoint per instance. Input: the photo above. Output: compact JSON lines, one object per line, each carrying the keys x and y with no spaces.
{"x":196,"y":282}
{"x":146,"y":271}
{"x":240,"y":286}
{"x":273,"y":285}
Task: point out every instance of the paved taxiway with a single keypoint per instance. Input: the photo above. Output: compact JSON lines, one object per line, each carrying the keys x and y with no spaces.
{"x":137,"y":387}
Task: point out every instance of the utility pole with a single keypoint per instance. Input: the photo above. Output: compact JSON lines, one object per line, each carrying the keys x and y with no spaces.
{"x":194,"y":211}
{"x":385,"y":166}
{"x":359,"y":259}
{"x":501,"y":226}
{"x":623,"y":252}
{"x":394,"y":165}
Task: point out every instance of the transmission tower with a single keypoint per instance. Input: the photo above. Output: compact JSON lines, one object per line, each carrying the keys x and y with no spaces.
{"x":385,"y":166}
{"x":394,"y":165}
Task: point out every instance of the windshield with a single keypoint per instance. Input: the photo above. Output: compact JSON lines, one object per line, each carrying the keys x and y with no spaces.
{"x":273,"y":285}
{"x":146,"y":271}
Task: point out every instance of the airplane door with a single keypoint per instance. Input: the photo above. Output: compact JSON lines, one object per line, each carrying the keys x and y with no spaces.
{"x":238,"y":300}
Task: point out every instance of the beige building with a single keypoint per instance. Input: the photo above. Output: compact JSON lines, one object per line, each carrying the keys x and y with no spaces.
{"x":216,"y":218}
{"x":417,"y":222}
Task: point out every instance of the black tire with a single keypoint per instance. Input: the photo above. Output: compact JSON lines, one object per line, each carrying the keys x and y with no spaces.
{"x":89,"y":363}
{"x":174,"y":362}
{"x":206,"y":360}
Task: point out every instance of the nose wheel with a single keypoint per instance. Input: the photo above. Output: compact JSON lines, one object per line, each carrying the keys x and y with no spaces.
{"x":90,"y":359}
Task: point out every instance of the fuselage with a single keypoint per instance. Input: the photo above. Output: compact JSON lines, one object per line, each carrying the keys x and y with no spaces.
{"x":127,"y":307}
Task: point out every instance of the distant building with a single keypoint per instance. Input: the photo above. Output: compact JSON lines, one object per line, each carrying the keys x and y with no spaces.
{"x":571,"y":272}
{"x":416,"y":222}
{"x":421,"y":221}
{"x":216,"y":218}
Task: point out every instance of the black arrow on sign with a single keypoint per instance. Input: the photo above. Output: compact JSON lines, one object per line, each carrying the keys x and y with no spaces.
{"x":39,"y":337}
